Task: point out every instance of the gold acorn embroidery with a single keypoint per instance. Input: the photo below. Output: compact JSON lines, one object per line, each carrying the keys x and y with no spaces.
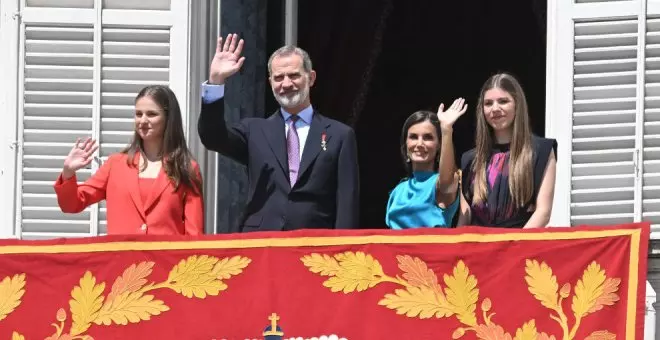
{"x":129,"y":299}
{"x":423,"y":296}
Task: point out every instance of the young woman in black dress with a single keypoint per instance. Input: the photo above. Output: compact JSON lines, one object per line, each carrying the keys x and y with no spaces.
{"x":508,"y":179}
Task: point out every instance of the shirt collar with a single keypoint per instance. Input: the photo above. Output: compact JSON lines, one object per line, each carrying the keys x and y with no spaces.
{"x":305,"y":115}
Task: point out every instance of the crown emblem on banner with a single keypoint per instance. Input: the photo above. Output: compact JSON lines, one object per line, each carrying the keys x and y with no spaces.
{"x":274,"y":332}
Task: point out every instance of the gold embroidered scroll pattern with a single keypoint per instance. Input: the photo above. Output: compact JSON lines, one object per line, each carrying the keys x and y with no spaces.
{"x":424,"y":297}
{"x":128,"y":300}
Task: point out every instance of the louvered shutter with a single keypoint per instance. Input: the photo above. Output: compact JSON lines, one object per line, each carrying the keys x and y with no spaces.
{"x":604,"y":79}
{"x":84,"y":62}
{"x":650,"y":156}
{"x":132,"y":58}
{"x":604,"y":122}
{"x":57,"y":106}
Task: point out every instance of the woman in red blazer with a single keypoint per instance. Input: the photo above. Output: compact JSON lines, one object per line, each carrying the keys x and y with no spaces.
{"x":153,"y":186}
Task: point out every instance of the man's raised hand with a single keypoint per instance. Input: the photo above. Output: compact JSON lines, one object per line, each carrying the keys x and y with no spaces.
{"x":227,"y":59}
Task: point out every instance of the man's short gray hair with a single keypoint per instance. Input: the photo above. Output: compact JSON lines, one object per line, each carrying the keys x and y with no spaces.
{"x":289,"y":50}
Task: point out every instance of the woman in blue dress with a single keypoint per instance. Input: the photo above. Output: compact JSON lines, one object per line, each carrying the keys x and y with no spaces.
{"x":428,"y":197}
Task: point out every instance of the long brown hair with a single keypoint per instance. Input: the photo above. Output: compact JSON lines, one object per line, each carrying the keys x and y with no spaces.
{"x":177,"y":158}
{"x":521,"y":186}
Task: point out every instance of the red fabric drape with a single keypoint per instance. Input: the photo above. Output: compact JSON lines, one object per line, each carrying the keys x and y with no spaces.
{"x":467,"y":283}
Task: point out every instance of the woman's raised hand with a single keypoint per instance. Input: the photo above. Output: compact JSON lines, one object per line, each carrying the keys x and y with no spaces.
{"x":449,"y":117}
{"x":80,"y":156}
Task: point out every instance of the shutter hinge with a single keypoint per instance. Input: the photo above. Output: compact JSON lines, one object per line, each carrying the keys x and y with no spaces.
{"x":13,"y":145}
{"x":17,"y":16}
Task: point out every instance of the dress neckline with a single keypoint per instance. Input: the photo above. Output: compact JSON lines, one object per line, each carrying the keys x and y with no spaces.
{"x":501,"y":147}
{"x":422,"y":175}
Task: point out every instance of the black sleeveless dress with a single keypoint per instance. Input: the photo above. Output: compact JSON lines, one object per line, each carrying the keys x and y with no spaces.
{"x":498,"y":210}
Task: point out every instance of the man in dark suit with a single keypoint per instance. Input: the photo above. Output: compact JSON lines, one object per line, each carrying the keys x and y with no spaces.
{"x":302,"y":167}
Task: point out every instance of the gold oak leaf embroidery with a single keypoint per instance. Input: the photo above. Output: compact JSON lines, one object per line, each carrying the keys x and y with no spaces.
{"x":601,"y":335}
{"x":417,"y":273}
{"x":565,"y":290}
{"x":358,"y":272}
{"x":462,"y":293}
{"x":127,"y":301}
{"x":544,"y":336}
{"x":348,"y":271}
{"x":588,"y":289}
{"x":422,"y":296}
{"x":86,"y":303}
{"x":130,"y":307}
{"x":593,"y":291}
{"x":17,"y":336}
{"x":226,"y":268}
{"x":491,"y":332}
{"x":193,"y":276}
{"x":542,"y":283}
{"x":527,"y":331}
{"x":324,"y":265}
{"x":608,"y":295}
{"x":418,"y":301}
{"x":201,"y":275}
{"x":11,"y":292}
{"x":133,"y":279}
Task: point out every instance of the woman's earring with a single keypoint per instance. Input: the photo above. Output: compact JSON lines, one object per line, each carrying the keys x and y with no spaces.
{"x":407,"y":159}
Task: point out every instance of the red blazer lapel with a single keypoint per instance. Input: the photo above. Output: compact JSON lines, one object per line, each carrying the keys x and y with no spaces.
{"x":162,"y":181}
{"x":133,"y":186}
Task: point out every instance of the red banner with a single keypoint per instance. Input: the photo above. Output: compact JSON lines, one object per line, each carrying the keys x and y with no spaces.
{"x":465,"y":283}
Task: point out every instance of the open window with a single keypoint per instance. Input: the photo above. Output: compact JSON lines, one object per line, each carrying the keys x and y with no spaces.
{"x":79,"y":65}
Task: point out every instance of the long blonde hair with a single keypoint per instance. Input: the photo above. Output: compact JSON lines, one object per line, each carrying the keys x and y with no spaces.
{"x":521,"y":184}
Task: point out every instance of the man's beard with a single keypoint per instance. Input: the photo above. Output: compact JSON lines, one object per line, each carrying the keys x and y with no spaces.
{"x":292,"y":101}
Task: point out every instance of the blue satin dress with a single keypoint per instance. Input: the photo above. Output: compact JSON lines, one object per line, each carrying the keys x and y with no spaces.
{"x":412,"y":204}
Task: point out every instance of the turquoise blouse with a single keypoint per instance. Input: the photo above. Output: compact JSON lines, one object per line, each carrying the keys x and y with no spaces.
{"x":412,"y":204}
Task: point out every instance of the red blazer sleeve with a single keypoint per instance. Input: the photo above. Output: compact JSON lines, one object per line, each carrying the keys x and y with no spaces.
{"x":193,"y":209}
{"x":74,"y":198}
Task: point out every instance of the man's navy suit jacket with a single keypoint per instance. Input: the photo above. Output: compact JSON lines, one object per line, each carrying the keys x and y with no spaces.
{"x":326,"y":194}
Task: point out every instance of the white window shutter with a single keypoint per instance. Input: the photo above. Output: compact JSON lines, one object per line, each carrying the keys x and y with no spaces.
{"x":58,"y":78}
{"x":84,"y":63}
{"x":604,"y":78}
{"x":604,"y":122}
{"x":9,"y":56}
{"x":132,"y":58}
{"x":650,"y":155}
